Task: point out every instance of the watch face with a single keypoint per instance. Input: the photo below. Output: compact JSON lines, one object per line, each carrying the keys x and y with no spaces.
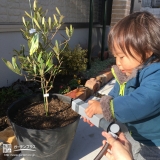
{"x":114,"y":128}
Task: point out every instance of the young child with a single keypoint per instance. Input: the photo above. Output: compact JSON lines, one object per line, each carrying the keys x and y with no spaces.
{"x":135,"y":99}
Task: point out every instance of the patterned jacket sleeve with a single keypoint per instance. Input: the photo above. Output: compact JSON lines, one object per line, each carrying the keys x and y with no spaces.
{"x":106,"y":108}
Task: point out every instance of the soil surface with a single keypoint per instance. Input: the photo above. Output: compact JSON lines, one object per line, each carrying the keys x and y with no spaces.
{"x":34,"y":117}
{"x":23,"y":89}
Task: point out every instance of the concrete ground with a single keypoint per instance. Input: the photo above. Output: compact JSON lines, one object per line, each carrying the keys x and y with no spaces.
{"x":88,"y":140}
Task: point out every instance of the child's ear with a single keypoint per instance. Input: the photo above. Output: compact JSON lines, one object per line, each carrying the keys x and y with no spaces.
{"x":149,"y":54}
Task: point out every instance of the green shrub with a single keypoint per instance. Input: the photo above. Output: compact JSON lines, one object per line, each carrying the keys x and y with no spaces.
{"x":72,"y":84}
{"x":74,"y":60}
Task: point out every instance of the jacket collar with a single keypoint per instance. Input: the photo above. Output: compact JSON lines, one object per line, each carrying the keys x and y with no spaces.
{"x":122,"y":78}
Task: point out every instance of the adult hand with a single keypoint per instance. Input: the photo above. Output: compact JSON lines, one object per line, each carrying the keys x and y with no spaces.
{"x":120,"y":148}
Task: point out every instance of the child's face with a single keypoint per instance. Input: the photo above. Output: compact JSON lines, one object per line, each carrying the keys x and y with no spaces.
{"x":126,"y":62}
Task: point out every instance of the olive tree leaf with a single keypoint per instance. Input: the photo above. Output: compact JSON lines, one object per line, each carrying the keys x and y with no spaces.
{"x":49,"y":23}
{"x":71,"y":31}
{"x":49,"y":67}
{"x":55,"y":18}
{"x":34,"y":43}
{"x":35,"y":5}
{"x":35,"y":68}
{"x":58,"y":11}
{"x":28,"y":14}
{"x":24,"y":22}
{"x":11,"y":67}
{"x":67,"y":31}
{"x":37,"y":24}
{"x":56,"y":48}
{"x":43,"y":20}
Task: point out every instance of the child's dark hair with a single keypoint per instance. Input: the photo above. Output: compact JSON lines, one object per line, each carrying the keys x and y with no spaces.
{"x":139,"y":31}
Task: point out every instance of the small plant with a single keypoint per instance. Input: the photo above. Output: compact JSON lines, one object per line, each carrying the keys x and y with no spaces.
{"x":97,"y":66}
{"x":75,"y":60}
{"x":64,"y":89}
{"x":43,"y":60}
{"x":72,"y":84}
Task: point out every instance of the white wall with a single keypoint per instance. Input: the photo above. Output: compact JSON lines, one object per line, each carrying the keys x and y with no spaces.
{"x":8,"y":42}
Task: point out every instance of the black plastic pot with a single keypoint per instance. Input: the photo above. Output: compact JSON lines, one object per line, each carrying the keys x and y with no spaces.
{"x":51,"y":144}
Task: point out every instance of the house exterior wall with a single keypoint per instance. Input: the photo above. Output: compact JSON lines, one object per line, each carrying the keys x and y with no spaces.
{"x":120,"y":9}
{"x":11,"y":11}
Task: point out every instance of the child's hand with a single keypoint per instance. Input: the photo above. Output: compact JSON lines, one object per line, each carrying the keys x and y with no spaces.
{"x":86,"y":120}
{"x":93,"y":108}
